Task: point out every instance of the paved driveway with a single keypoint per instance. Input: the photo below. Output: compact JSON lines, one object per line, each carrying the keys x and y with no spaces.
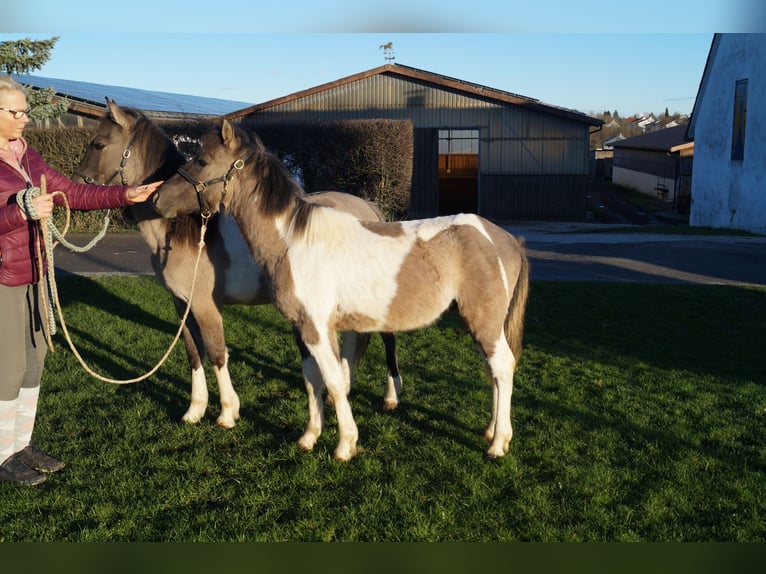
{"x":558,"y":251}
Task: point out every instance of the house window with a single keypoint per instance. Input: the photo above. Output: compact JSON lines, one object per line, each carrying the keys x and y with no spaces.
{"x":740,"y":117}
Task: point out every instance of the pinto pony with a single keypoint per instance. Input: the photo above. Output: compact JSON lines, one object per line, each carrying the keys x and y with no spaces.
{"x":332,"y":272}
{"x":132,"y":149}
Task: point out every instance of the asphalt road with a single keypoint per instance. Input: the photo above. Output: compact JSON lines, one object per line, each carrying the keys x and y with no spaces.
{"x":558,"y":252}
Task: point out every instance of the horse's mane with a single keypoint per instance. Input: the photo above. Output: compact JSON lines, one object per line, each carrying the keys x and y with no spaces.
{"x":278,"y":192}
{"x":185,"y":229}
{"x":156,"y":143}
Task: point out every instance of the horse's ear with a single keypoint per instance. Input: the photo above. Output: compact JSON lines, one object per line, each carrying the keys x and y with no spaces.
{"x":117,"y":115}
{"x":227,"y":133}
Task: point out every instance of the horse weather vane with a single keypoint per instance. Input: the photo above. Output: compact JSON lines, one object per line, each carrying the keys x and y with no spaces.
{"x":388,"y":52}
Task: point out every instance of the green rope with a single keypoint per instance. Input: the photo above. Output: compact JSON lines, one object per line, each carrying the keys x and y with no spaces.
{"x":24,"y":201}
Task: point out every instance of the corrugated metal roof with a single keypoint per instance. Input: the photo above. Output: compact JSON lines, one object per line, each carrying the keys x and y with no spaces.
{"x":146,"y":100}
{"x":437,"y":80}
{"x":662,"y":140}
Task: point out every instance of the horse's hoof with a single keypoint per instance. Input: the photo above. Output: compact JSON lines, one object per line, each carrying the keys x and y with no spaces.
{"x":390,"y":405}
{"x":226,"y":424}
{"x":345,"y":454}
{"x":191,"y":419}
{"x":494,"y":452}
{"x":306,"y":444}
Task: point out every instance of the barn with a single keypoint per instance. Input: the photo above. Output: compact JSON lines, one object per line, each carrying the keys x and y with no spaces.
{"x":476,"y":149}
{"x":728,"y":125}
{"x":658,"y":163}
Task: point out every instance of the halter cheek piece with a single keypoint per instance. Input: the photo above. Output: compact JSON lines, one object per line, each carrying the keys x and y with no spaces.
{"x":200,"y":186}
{"x":120,"y":170}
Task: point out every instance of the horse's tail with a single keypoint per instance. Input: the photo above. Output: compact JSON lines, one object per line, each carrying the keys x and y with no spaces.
{"x":514,"y":321}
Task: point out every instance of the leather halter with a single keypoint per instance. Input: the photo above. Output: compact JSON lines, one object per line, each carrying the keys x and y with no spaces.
{"x":200,"y":186}
{"x":120,"y":170}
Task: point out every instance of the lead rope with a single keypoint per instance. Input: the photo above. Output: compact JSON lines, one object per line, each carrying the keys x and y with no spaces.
{"x":51,"y":299}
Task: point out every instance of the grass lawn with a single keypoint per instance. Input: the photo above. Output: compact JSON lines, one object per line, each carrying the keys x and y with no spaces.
{"x":639,"y":415}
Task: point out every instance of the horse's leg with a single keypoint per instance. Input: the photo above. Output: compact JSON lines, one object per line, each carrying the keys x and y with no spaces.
{"x":352,"y":346}
{"x":327,"y":357}
{"x":394,"y":379}
{"x":312,"y":378}
{"x":489,"y":334}
{"x":195,"y":354}
{"x":502,"y":364}
{"x":210,"y":322}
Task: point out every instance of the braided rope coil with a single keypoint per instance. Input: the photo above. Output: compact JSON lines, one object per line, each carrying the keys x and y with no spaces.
{"x":51,"y":299}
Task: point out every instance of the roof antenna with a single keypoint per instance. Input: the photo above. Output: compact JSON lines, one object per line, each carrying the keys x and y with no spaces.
{"x":388,"y":52}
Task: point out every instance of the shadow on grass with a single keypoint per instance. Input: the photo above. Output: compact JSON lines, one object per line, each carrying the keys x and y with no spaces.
{"x":708,"y":330}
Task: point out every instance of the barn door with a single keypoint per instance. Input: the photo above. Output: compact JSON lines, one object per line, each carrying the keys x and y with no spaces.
{"x":458,"y":171}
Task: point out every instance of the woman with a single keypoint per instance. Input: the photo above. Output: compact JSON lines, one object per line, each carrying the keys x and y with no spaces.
{"x":22,"y":340}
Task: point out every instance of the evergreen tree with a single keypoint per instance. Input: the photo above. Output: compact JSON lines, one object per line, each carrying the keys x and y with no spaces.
{"x":24,"y":56}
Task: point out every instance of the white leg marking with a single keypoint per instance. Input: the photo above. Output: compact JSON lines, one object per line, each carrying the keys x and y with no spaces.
{"x":228,"y":396}
{"x":502,"y":365}
{"x":336,"y":382}
{"x":314,"y":385}
{"x":199,"y":397}
{"x":393,"y":391}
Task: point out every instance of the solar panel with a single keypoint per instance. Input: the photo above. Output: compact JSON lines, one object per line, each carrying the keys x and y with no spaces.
{"x":147,"y":100}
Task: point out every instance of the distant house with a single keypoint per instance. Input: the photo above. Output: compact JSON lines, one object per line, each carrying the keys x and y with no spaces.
{"x":88,"y":101}
{"x":476,"y":148}
{"x":609,"y":144}
{"x":601,"y":158}
{"x":728,"y":125}
{"x":657,"y":163}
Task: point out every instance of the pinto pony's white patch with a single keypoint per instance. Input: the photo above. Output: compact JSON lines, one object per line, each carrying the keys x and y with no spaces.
{"x":335,"y":256}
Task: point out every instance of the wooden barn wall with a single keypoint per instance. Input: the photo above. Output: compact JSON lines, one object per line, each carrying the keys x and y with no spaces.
{"x":542,"y":157}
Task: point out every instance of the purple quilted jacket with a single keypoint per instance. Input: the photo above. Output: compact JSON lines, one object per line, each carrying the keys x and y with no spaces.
{"x":18,"y":259}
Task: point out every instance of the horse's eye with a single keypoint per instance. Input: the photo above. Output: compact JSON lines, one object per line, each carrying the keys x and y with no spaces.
{"x":98,"y":145}
{"x":201,"y":162}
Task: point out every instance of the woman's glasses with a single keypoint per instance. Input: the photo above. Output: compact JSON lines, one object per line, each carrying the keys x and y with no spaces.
{"x":17,"y":114}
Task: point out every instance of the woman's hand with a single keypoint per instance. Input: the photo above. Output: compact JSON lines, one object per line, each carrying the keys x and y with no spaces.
{"x":43,"y":205}
{"x":142,"y":192}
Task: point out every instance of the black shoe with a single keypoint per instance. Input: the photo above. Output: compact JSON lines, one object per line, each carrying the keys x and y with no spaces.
{"x":13,"y":470}
{"x":36,"y":459}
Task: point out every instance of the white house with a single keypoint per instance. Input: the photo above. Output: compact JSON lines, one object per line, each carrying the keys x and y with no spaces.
{"x":728,"y":126}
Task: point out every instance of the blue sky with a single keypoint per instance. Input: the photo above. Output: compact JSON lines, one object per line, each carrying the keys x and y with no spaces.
{"x":590,"y":56}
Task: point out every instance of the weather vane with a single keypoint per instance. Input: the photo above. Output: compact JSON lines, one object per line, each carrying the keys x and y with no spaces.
{"x":388,"y":52}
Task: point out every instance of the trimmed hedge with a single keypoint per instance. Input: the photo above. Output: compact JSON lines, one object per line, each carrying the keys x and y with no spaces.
{"x":368,"y":158}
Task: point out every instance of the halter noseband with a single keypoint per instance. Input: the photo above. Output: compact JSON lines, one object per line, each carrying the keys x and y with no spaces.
{"x":200,"y":186}
{"x":121,"y":170}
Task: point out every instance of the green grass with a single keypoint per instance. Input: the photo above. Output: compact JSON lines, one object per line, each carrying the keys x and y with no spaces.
{"x":639,"y":414}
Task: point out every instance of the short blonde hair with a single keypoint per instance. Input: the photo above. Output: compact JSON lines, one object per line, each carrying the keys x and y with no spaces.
{"x":8,"y":84}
